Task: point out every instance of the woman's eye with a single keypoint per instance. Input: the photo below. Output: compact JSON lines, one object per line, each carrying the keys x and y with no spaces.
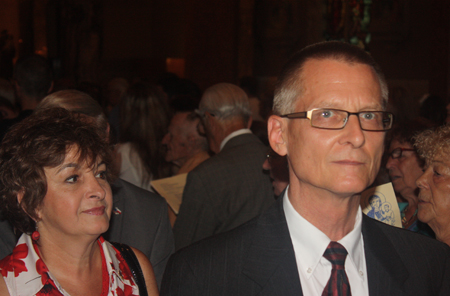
{"x":72,"y":179}
{"x":101,"y":175}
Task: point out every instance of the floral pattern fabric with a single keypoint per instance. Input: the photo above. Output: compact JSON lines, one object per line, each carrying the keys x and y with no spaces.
{"x":26,"y":274}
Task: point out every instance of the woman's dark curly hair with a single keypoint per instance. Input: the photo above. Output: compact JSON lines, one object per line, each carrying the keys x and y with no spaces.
{"x":42,"y":141}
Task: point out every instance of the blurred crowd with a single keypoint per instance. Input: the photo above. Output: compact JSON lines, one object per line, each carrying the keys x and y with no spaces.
{"x":218,"y":137}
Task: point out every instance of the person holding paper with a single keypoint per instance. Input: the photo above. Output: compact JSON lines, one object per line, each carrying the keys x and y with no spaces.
{"x":405,"y":166}
{"x":330,"y":121}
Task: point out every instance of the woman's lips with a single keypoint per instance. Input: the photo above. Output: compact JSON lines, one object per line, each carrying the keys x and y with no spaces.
{"x":98,"y":211}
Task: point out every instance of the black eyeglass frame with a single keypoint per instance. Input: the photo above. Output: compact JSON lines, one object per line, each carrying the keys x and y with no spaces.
{"x":202,"y":113}
{"x":308,"y":115}
{"x":391,"y":154}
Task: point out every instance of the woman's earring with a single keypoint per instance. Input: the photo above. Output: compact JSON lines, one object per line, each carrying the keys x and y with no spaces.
{"x":35,"y":235}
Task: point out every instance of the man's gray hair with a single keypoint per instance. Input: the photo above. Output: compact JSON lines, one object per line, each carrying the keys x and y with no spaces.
{"x":225,"y":101}
{"x":76,"y":101}
{"x":290,"y":82}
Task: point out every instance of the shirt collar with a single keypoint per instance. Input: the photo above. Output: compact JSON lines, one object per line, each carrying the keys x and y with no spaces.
{"x":234,"y":134}
{"x":308,"y":239}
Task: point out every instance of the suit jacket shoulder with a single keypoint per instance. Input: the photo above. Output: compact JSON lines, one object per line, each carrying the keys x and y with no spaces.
{"x":401,"y":262}
{"x":224,"y":191}
{"x":140,"y":219}
{"x":256,"y":258}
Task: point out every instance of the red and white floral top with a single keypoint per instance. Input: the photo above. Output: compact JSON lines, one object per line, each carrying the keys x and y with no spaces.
{"x":26,"y":274}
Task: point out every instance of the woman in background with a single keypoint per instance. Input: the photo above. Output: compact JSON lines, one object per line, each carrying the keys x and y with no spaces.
{"x":144,"y":122}
{"x":434,"y":184}
{"x":404,"y":168}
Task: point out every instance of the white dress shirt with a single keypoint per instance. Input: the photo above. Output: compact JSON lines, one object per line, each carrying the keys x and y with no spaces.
{"x":310,"y":244}
{"x":234,"y":134}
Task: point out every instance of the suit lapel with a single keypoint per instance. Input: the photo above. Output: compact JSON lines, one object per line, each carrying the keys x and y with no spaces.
{"x":385,"y":270}
{"x":115,"y":224}
{"x":271,"y":258}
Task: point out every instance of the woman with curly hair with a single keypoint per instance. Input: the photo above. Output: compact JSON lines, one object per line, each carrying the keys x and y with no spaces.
{"x":54,"y":188}
{"x":434,"y":184}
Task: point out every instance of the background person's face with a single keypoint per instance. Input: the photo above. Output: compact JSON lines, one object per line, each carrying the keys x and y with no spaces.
{"x":176,"y":140}
{"x":434,"y":196}
{"x":345,"y":161}
{"x":405,"y":170}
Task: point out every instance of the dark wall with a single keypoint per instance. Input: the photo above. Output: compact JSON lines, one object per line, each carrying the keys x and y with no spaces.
{"x":224,"y":39}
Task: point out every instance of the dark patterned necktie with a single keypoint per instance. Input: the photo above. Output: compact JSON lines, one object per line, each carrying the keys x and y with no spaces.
{"x":338,"y":284}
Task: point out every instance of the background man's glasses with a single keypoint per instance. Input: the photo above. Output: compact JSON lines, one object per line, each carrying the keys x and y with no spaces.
{"x":335,"y":119}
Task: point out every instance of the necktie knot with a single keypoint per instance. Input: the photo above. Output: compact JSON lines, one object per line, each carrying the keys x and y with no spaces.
{"x":336,"y":254}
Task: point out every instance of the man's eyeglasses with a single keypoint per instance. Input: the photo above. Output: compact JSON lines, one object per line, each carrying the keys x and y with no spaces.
{"x":202,"y":113}
{"x":335,"y":119}
{"x":397,"y":152}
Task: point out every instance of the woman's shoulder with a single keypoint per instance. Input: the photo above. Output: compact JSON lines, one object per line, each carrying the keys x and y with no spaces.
{"x":3,"y":288}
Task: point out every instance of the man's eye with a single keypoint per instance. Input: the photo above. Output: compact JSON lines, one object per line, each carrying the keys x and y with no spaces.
{"x":326,"y":113}
{"x":72,"y":179}
{"x":368,"y":116}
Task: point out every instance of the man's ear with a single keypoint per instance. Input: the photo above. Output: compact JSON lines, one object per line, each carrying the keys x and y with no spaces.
{"x":249,"y":122}
{"x":276,"y":129}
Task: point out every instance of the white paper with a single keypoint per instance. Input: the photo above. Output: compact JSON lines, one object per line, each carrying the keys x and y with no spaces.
{"x":381,"y":204}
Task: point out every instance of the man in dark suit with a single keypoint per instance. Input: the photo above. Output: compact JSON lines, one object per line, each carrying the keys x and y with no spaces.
{"x":140,"y":219}
{"x":332,"y":156}
{"x":231,"y":187}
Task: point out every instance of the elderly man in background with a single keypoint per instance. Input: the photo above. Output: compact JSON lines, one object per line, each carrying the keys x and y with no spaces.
{"x":186,"y":148}
{"x":330,"y":121}
{"x":230,"y":188}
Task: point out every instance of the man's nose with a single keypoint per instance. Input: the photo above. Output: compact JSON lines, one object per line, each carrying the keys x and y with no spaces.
{"x":353,"y":133}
